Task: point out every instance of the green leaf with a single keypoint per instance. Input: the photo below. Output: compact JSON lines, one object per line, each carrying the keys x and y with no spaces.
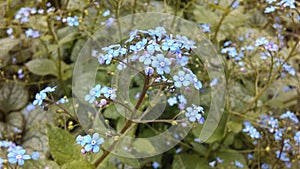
{"x":7,"y":44}
{"x":66,"y":34}
{"x":77,"y":48}
{"x":219,"y":132}
{"x":61,"y":145}
{"x":111,"y":112}
{"x":35,"y":137}
{"x":38,"y":22}
{"x":42,"y":67}
{"x":12,"y":97}
{"x":39,"y":164}
{"x":202,"y":15}
{"x":235,"y":126}
{"x":78,"y":164}
{"x":133,"y":162}
{"x":187,"y":161}
{"x":77,"y":4}
{"x":229,"y":156}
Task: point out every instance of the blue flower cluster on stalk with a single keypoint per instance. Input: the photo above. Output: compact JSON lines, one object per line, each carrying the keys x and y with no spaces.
{"x":15,"y":154}
{"x":284,"y":130}
{"x":157,"y":52}
{"x":90,"y":143}
{"x":104,"y":93}
{"x":42,"y":95}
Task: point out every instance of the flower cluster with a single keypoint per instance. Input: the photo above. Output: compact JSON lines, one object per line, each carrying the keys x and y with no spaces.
{"x":275,"y":4}
{"x":90,"y":143}
{"x":180,"y":100}
{"x":157,"y":52}
{"x":15,"y":154}
{"x":284,"y":131}
{"x":103,"y":92}
{"x":42,"y":95}
{"x":72,"y":21}
{"x":269,"y":50}
{"x":253,"y":133}
{"x":195,"y":113}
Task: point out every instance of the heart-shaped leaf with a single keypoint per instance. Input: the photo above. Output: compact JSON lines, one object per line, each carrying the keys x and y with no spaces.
{"x":12,"y":97}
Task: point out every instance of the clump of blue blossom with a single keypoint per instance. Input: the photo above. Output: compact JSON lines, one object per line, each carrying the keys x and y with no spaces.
{"x":273,"y":5}
{"x":15,"y":154}
{"x":90,"y":143}
{"x":158,"y":52}
{"x":280,"y":127}
{"x":42,"y":95}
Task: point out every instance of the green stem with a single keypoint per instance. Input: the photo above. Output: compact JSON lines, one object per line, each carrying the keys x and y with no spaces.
{"x":222,"y":19}
{"x":271,"y":79}
{"x":127,"y":124}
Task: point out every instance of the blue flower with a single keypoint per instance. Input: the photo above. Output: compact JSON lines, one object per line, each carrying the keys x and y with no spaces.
{"x":182,"y":99}
{"x":9,"y":31}
{"x":273,"y":122}
{"x":238,"y":164}
{"x":289,"y":69}
{"x":149,"y":71}
{"x":278,"y":134}
{"x":39,"y":98}
{"x":122,"y":65}
{"x":212,"y":163}
{"x":158,"y":32}
{"x":271,"y":46}
{"x":146,"y":58}
{"x":205,"y":28}
{"x":287,"y":3}
{"x":63,"y":100}
{"x":231,"y":51}
{"x":172,"y":101}
{"x":181,"y":60}
{"x":271,"y":1}
{"x":49,"y":89}
{"x":297,"y":138}
{"x":109,"y":92}
{"x":192,"y":113}
{"x":261,"y":41}
{"x":80,"y":140}
{"x":92,"y":143}
{"x":73,"y":21}
{"x":18,"y":156}
{"x":194,"y":79}
{"x":185,"y":42}
{"x":155,"y":165}
{"x":106,"y":13}
{"x":94,"y":92}
{"x":265,"y":166}
{"x":32,"y":33}
{"x":161,"y":64}
{"x":270,"y":9}
{"x":227,"y":43}
{"x":253,"y":133}
{"x":181,"y":79}
{"x":1,"y":162}
{"x":235,"y":4}
{"x":153,"y":46}
{"x":35,"y":155}
{"x":30,"y":107}
{"x":169,"y":44}
{"x":290,"y":115}
{"x":282,"y":156}
{"x":140,"y":45}
{"x":214,"y":82}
